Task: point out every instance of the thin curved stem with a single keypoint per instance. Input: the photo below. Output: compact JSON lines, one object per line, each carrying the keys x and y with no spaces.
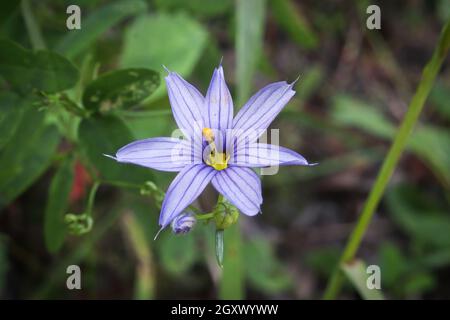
{"x":91,"y":198}
{"x":33,"y":29}
{"x":390,"y":162}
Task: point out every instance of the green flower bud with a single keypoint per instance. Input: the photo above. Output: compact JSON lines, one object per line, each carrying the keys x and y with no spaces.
{"x":78,"y":224}
{"x":225,"y":215}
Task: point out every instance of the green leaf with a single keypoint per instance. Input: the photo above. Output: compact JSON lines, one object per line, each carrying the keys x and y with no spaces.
{"x":96,"y":24}
{"x":439,"y":97}
{"x":419,"y":216}
{"x":356,"y":273}
{"x":429,"y":143}
{"x":353,"y":112}
{"x":175,"y":41}
{"x":419,"y":283}
{"x":10,"y":114}
{"x":101,"y":135}
{"x":289,"y":17}
{"x":7,"y":9}
{"x":309,"y":82}
{"x":249,"y":42}
{"x":27,"y":154}
{"x":120,"y":89}
{"x":41,"y":70}
{"x":393,"y":264}
{"x":152,"y":123}
{"x":177,"y":253}
{"x":263,"y":270}
{"x":55,"y":228}
{"x":197,"y":7}
{"x":323,"y":260}
{"x":432,"y":144}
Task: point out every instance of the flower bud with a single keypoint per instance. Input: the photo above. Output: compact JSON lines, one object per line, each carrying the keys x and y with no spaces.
{"x":225,"y":215}
{"x":183,"y":223}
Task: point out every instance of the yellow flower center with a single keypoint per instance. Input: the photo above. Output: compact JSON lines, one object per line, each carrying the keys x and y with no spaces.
{"x":217,"y":160}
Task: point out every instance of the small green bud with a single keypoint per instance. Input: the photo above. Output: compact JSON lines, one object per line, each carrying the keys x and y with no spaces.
{"x":225,"y":215}
{"x":79,"y":224}
{"x":148,"y":188}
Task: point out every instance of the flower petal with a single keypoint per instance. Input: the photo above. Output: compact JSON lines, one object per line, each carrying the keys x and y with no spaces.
{"x":240,"y":186}
{"x":219,"y":104}
{"x":262,"y":108}
{"x":165,"y":154}
{"x":187,"y":104}
{"x":259,"y":155}
{"x":183,"y":190}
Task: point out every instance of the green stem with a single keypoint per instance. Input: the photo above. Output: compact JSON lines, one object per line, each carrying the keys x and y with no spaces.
{"x":91,"y":199}
{"x":204,"y":216}
{"x":232,"y":282}
{"x":37,"y":41}
{"x":122,"y":184}
{"x":145,"y":270}
{"x":415,"y":107}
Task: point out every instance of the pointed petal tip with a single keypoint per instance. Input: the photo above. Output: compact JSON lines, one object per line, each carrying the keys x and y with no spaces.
{"x":221,"y":61}
{"x":295,"y":81}
{"x":167,"y":70}
{"x":109,"y":156}
{"x":157,"y":234}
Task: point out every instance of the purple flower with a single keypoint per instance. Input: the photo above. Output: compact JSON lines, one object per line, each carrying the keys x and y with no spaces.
{"x":216,"y":148}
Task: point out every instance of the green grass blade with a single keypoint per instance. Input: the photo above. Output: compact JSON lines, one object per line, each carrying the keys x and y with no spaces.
{"x":390,"y":162}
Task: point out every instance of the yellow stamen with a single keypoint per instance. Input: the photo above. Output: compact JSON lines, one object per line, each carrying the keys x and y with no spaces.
{"x":217,"y":160}
{"x":208,"y":134}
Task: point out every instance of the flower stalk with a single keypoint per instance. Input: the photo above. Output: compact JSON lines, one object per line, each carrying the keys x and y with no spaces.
{"x":390,"y":162}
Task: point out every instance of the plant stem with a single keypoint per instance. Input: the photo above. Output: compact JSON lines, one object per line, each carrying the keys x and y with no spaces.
{"x":145,"y":271}
{"x":91,"y":199}
{"x":204,"y":216}
{"x":122,"y":184}
{"x":37,"y":41}
{"x":232,"y":282}
{"x":415,"y":107}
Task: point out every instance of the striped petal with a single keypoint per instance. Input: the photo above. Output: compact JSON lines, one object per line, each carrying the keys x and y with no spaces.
{"x":219,"y":104}
{"x":259,"y":155}
{"x":165,"y":154}
{"x":187,"y":104}
{"x":262,"y":108}
{"x":240,"y":186}
{"x":183,"y":190}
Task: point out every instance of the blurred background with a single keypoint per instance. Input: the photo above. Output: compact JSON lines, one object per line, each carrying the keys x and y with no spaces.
{"x":355,"y":85}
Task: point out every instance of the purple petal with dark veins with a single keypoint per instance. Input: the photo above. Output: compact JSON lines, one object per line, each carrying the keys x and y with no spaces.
{"x":219,"y":104}
{"x":240,"y":186}
{"x":183,"y":190}
{"x":259,"y":155}
{"x":187,"y":104}
{"x":165,"y":154}
{"x":262,"y":108}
